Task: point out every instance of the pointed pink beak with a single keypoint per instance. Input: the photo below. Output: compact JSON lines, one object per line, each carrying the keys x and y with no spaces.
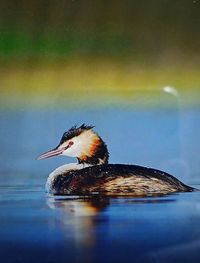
{"x":51,"y":153}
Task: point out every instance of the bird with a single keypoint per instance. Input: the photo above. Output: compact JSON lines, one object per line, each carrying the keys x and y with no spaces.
{"x":93,"y":175}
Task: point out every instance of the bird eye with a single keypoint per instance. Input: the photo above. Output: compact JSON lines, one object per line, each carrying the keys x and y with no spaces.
{"x":70,"y":144}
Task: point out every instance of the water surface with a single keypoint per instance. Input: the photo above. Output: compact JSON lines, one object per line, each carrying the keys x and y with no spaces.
{"x":36,"y":227}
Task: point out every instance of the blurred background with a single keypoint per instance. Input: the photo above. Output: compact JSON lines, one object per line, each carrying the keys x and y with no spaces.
{"x":131,"y":68}
{"x":53,"y":50}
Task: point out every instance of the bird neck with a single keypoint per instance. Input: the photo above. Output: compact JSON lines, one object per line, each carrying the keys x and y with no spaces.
{"x":98,"y":155}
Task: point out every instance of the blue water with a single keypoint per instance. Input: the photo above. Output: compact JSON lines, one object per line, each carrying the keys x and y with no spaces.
{"x":35,"y":227}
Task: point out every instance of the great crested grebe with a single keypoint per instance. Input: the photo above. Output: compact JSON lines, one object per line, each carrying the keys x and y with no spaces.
{"x":93,"y":175}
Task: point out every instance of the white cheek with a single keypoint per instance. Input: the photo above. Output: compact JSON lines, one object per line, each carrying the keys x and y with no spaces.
{"x":80,"y":146}
{"x":70,"y":152}
{"x":74,"y":150}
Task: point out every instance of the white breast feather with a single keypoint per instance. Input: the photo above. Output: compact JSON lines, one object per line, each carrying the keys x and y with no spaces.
{"x":61,"y":170}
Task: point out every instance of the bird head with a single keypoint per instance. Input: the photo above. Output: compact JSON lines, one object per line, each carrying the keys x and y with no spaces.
{"x":83,"y":143}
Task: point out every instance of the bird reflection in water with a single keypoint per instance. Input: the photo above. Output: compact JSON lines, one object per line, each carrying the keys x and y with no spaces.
{"x":76,"y":206}
{"x":86,"y":222}
{"x":78,"y":217}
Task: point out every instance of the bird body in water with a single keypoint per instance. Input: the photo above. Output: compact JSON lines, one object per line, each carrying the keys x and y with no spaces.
{"x":93,"y":175}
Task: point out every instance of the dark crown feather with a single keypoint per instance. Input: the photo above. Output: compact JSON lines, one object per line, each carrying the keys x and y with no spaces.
{"x":75,"y":131}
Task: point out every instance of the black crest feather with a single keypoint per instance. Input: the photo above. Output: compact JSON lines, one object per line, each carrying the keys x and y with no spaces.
{"x":75,"y":131}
